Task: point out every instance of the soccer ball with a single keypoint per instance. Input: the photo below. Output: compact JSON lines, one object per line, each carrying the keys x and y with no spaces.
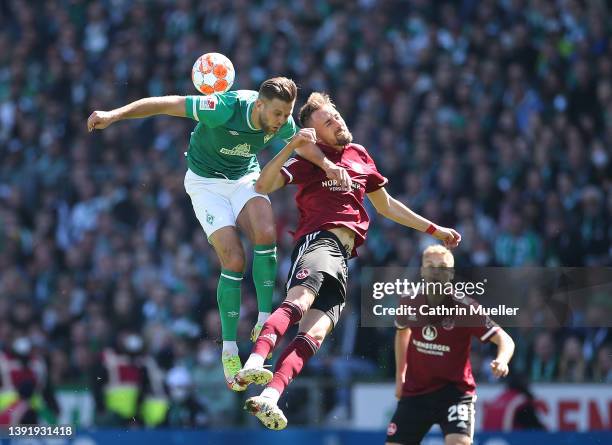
{"x":212,"y":73}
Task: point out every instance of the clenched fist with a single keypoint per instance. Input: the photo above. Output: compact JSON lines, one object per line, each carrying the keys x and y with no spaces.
{"x":303,"y":137}
{"x":99,"y":120}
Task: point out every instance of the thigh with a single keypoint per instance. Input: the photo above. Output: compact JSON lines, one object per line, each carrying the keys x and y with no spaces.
{"x":315,"y":260}
{"x":213,"y":210}
{"x":256,"y":219}
{"x":410,"y":422}
{"x":227,"y":245}
{"x":316,"y":324}
{"x":331,"y":298}
{"x":244,"y":192}
{"x":457,"y":412}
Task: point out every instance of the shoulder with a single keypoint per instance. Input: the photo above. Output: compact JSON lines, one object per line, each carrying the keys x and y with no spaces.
{"x":244,"y":96}
{"x":361,"y":151}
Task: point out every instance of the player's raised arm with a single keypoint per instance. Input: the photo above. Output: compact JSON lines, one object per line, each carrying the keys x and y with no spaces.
{"x":150,"y":106}
{"x":271,"y":178}
{"x":394,"y":210}
{"x":505,"y":350}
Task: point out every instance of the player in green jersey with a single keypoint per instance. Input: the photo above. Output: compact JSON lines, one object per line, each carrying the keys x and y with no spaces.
{"x":222,"y":169}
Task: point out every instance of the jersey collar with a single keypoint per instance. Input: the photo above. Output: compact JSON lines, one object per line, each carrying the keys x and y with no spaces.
{"x":248,"y":117}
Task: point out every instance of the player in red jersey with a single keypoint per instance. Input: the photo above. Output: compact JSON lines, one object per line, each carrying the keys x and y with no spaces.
{"x":434,"y":381}
{"x":333,"y":223}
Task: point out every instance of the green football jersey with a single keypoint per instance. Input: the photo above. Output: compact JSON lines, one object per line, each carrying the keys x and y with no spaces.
{"x":224,"y":143}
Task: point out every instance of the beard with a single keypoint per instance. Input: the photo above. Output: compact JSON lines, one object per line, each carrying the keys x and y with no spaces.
{"x":344,"y":137}
{"x":265,"y":126}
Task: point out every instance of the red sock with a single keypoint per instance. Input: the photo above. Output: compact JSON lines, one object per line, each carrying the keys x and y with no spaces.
{"x":275,"y":327}
{"x":292,"y":360}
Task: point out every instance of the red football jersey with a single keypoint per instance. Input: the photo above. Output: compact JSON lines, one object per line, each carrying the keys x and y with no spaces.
{"x":321,"y":202}
{"x":439,"y":349}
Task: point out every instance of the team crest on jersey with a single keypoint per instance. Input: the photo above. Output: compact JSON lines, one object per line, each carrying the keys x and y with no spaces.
{"x":207,"y":103}
{"x":302,"y":274}
{"x":429,"y":332}
{"x":391,"y":429}
{"x":448,"y":323}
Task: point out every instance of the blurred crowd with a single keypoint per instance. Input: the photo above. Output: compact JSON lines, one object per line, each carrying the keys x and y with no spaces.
{"x":493,"y":117}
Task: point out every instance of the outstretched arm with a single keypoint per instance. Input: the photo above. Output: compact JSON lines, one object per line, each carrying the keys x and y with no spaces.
{"x":394,"y":210}
{"x":505,"y":350}
{"x":270,"y":178}
{"x":150,"y":106}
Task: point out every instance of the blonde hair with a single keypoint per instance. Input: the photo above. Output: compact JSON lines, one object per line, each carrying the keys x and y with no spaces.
{"x":315,"y":102}
{"x":439,"y":249}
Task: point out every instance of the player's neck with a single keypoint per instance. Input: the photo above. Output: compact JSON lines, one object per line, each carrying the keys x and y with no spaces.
{"x":338,"y":148}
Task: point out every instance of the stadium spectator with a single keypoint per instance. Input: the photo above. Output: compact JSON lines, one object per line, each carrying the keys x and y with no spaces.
{"x":514,"y":98}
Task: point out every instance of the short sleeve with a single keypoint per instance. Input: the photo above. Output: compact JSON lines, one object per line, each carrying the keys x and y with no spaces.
{"x":288,"y":130}
{"x":212,"y":111}
{"x":375,"y":179}
{"x":482,"y":326}
{"x":297,"y":170}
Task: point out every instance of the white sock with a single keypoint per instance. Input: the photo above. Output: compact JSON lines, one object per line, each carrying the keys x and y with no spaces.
{"x":263,"y":317}
{"x":271,"y":393}
{"x":254,"y":361}
{"x":230,"y":348}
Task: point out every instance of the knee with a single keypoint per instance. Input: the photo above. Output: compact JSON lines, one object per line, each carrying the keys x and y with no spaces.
{"x":232,"y":259}
{"x":266,"y":235}
{"x":318,"y":334}
{"x":302,"y":297}
{"x":457,"y":439}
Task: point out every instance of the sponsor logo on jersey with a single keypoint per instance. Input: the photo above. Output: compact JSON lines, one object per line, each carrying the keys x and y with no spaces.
{"x":302,"y":274}
{"x":429,"y":332}
{"x":207,"y":103}
{"x":233,"y":314}
{"x":391,"y":429}
{"x":238,"y":150}
{"x":334,"y":186}
{"x":233,"y":133}
{"x":267,"y":137}
{"x":210,"y":219}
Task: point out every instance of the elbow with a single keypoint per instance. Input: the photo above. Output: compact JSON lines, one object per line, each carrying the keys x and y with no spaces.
{"x":261,"y":188}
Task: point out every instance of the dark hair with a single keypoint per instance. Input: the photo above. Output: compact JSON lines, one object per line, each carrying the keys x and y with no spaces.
{"x":315,"y":102}
{"x":280,"y":88}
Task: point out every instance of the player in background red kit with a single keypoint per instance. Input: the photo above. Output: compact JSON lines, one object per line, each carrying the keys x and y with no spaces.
{"x":333,"y":222}
{"x":434,"y":381}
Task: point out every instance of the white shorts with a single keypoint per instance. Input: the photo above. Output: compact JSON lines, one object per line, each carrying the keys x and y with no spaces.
{"x":218,"y":202}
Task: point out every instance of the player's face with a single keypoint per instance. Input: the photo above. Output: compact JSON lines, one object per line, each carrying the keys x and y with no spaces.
{"x":273,"y":114}
{"x":437,"y":267}
{"x":330,"y":127}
